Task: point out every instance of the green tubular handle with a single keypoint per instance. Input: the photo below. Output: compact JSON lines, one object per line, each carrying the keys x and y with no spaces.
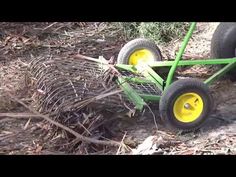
{"x":179,"y":55}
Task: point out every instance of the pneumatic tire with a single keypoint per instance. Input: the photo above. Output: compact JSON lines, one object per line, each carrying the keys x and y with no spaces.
{"x":136,"y":45}
{"x":223,"y":44}
{"x":192,"y":92}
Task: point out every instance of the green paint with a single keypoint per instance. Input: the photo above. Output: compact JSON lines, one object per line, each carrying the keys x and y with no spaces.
{"x":220,"y":73}
{"x":131,"y":93}
{"x":179,"y":55}
{"x":195,"y":62}
{"x":150,"y":74}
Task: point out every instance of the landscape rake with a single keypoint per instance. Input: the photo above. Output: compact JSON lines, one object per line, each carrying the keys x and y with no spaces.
{"x":68,"y":85}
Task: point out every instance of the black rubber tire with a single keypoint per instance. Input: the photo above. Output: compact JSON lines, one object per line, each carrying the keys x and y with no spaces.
{"x":223,"y":43}
{"x":169,"y":97}
{"x":137,"y":44}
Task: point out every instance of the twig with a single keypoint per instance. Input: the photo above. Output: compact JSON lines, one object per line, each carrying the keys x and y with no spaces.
{"x":118,"y":151}
{"x":90,"y":125}
{"x":77,"y":135}
{"x":49,"y":26}
{"x":19,"y":115}
{"x":86,"y":102}
{"x":27,"y":124}
{"x":84,"y":128}
{"x":154,"y":117}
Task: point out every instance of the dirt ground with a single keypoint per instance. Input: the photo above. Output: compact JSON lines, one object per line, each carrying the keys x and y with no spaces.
{"x":21,"y":42}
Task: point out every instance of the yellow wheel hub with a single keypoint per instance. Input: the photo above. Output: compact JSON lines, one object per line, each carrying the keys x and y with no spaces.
{"x":188,"y":107}
{"x":143,"y":55}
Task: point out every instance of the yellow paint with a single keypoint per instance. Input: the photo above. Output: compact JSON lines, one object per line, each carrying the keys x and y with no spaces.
{"x":188,"y":107}
{"x":143,"y":55}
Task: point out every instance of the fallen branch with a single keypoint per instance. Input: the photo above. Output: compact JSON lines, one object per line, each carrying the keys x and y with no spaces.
{"x":19,"y":115}
{"x":77,"y":135}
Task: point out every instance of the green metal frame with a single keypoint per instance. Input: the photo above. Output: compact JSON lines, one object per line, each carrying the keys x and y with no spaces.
{"x":131,"y":93}
{"x":151,"y":76}
{"x":179,"y":55}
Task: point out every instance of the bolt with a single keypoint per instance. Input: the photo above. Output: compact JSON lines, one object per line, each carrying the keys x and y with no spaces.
{"x":187,"y":106}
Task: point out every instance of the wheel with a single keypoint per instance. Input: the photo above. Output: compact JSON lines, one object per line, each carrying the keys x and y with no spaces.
{"x":185,"y":105}
{"x":139,"y":49}
{"x":223,"y":43}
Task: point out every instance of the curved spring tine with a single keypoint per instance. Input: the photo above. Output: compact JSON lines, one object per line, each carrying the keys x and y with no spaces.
{"x":51,"y":82}
{"x":57,"y":89}
{"x":43,"y":68}
{"x":78,"y":65}
{"x":53,"y":95}
{"x":60,"y":87}
{"x":47,"y":77}
{"x":71,"y":63}
{"x":72,"y":103}
{"x":53,"y":78}
{"x":46,"y":86}
{"x":56,"y":80}
{"x":41,"y":64}
{"x":56,"y":68}
{"x":34,"y":63}
{"x":37,"y":69}
{"x":68,"y":94}
{"x":58,"y":112}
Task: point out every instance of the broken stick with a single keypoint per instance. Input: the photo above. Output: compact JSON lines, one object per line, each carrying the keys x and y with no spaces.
{"x":77,"y":135}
